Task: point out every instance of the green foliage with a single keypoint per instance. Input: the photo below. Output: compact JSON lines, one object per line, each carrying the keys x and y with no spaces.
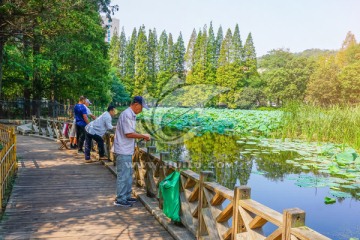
{"x":336,"y":77}
{"x":286,"y":75}
{"x":141,"y":62}
{"x":64,"y":53}
{"x":119,"y":95}
{"x":323,"y":124}
{"x":130,"y":63}
{"x":179,"y":58}
{"x":152,"y":62}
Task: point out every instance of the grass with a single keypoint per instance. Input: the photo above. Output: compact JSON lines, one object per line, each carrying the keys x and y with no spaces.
{"x":337,"y":124}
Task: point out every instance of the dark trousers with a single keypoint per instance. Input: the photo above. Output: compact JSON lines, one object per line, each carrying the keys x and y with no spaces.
{"x":100,"y":142}
{"x":80,"y":135}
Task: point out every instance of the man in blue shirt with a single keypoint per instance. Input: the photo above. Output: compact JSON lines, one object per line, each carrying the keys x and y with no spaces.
{"x":81,"y":121}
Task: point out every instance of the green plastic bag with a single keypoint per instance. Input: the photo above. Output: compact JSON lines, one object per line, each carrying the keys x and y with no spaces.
{"x":169,"y":189}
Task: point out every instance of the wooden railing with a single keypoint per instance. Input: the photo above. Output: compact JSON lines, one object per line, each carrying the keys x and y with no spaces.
{"x":212,"y":211}
{"x":209,"y":210}
{"x":8,"y":163}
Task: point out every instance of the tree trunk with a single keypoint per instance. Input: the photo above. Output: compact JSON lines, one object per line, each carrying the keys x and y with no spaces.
{"x":37,"y":88}
{"x":27,"y":90}
{"x":2,"y":46}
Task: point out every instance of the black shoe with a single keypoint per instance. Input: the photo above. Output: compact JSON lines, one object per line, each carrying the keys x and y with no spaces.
{"x":131,"y":200}
{"x":80,"y":151}
{"x":123,"y":204}
{"x":150,"y":195}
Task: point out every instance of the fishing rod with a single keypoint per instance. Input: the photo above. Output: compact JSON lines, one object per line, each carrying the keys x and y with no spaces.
{"x":175,"y":118}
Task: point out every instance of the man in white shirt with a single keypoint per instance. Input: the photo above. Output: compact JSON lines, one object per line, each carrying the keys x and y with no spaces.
{"x":96,"y":130}
{"x":124,"y":145}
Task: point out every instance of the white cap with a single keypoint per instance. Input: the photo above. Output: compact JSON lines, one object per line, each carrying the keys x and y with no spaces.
{"x":88,"y":101}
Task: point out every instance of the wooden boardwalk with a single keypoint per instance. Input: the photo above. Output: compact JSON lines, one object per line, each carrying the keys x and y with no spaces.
{"x":57,"y":195}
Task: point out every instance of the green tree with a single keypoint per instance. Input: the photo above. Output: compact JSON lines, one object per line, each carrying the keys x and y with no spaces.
{"x":122,"y":55}
{"x":286,"y":75}
{"x":250,"y":57}
{"x":114,"y":51}
{"x":130,"y":63}
{"x":211,"y":57}
{"x":164,"y":74}
{"x":120,"y":96}
{"x":199,"y":68}
{"x":141,"y":62}
{"x":189,"y":56}
{"x":152,"y":62}
{"x":324,"y":86}
{"x":223,"y":73}
{"x":179,"y":57}
{"x":219,"y":39}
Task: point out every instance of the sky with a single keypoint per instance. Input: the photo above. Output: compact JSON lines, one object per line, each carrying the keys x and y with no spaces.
{"x":294,"y":24}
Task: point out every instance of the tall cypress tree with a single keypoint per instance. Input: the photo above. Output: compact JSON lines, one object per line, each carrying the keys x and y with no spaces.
{"x":141,"y":62}
{"x":250,"y":57}
{"x":130,"y":63}
{"x":152,"y":62}
{"x":218,"y":42}
{"x":179,"y":55}
{"x":236,"y":48}
{"x":211,"y":59}
{"x":189,"y":56}
{"x":199,"y":59}
{"x":171,"y":56}
{"x":122,"y":54}
{"x":223,"y":73}
{"x":163,"y":52}
{"x":114,"y":51}
{"x":236,"y":60}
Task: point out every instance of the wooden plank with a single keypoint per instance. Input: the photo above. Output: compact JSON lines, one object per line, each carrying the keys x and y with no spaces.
{"x":186,"y":217}
{"x":257,"y":222}
{"x":262,"y":211}
{"x":62,"y":197}
{"x":223,"y":191}
{"x":202,"y":231}
{"x":253,"y":233}
{"x":276,"y":235}
{"x":307,"y":233}
{"x":194,"y":196}
{"x":191,"y":174}
{"x":227,"y":234}
{"x":221,"y":227}
{"x":293,"y":217}
{"x":217,"y":199}
{"x":226,"y":213}
{"x":189,"y":183}
{"x":210,"y":224}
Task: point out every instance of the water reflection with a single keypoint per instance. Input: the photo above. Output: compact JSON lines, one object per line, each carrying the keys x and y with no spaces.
{"x":275,"y":178}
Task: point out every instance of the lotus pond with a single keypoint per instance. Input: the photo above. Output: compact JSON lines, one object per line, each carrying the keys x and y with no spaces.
{"x":323,"y":179}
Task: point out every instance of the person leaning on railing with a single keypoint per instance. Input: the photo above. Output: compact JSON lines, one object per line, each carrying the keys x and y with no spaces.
{"x":124,"y":145}
{"x":81,"y":121}
{"x":96,"y":130}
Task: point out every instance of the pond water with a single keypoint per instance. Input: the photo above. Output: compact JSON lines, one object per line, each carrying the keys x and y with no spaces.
{"x":281,"y":173}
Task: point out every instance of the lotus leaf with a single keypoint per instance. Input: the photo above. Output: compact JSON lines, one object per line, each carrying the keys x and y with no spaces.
{"x":329,"y":200}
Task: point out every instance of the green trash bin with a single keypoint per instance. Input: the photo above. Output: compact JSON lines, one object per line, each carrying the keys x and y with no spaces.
{"x":169,"y":190}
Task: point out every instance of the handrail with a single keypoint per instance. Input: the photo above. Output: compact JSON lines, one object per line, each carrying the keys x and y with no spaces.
{"x":8,"y":163}
{"x":207,"y":207}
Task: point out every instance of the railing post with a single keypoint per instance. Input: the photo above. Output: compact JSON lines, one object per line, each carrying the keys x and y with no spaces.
{"x":164,"y":156}
{"x":242,"y":192}
{"x":202,"y":203}
{"x":150,"y":184}
{"x":293,"y":217}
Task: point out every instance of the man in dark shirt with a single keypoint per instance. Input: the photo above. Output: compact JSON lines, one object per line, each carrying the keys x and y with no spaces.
{"x":81,"y":121}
